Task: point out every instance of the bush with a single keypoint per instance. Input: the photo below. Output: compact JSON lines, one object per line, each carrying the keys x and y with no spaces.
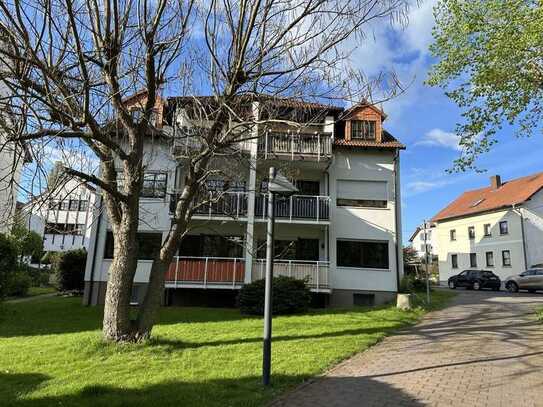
{"x":19,"y":283}
{"x":410,"y":283}
{"x":8,"y":263}
{"x":70,"y":270}
{"x":290,"y":296}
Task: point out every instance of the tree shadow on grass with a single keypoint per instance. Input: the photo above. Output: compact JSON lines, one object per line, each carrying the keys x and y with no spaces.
{"x":16,"y":390}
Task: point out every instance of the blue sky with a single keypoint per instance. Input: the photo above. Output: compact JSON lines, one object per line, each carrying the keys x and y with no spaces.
{"x":424,"y":119}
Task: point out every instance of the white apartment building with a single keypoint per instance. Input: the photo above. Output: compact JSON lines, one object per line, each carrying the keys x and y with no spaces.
{"x":497,"y":228}
{"x":341,"y":231}
{"x":425,"y":235}
{"x":64,"y":216}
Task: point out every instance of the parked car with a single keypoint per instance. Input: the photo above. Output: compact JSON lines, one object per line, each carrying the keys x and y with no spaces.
{"x":531,"y":280}
{"x":476,"y":280}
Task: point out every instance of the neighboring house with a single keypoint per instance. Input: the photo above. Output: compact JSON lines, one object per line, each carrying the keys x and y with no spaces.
{"x":63,"y":216}
{"x":498,"y":228}
{"x":341,"y":231}
{"x":425,"y":234}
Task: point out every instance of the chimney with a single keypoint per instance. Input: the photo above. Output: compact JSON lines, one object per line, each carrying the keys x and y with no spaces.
{"x":495,"y":181}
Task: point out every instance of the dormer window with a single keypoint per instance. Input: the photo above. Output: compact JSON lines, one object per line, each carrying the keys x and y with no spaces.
{"x":363,"y":130}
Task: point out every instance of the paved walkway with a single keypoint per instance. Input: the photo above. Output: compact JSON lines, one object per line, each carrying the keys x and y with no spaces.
{"x":32,"y":298}
{"x":485,"y":349}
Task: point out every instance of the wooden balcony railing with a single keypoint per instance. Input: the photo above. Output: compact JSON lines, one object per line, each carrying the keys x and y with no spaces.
{"x":315,"y":272}
{"x":206,"y":271}
{"x":294,"y":145}
{"x":312,"y":207}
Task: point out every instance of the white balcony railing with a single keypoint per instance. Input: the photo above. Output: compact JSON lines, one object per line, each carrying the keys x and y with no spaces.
{"x":293,"y":145}
{"x":230,"y":204}
{"x":311,"y":207}
{"x":315,"y":272}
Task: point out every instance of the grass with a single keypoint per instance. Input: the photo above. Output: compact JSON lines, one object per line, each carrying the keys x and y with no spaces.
{"x":33,"y":291}
{"x":51,"y":354}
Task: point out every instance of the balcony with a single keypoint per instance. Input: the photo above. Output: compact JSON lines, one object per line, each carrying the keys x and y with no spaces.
{"x":187,"y":141}
{"x":314,"y":272}
{"x":293,"y":146}
{"x":227,"y":204}
{"x":224,"y":272}
{"x":296,"y":207}
{"x":206,"y":271}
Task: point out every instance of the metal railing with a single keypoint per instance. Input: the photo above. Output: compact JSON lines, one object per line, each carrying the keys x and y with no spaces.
{"x":206,"y":271}
{"x":313,"y":207}
{"x":315,"y":272}
{"x":231,"y":204}
{"x":292,"y":144}
{"x":186,"y":141}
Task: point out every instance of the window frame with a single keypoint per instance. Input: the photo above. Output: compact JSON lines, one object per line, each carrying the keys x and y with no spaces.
{"x":471,"y":232}
{"x":364,"y":129}
{"x":488,"y":264}
{"x":487,"y":233}
{"x":362,"y":203}
{"x":502,"y":232}
{"x":508,"y":258}
{"x":473,"y":256}
{"x":454,"y":261}
{"x":452,"y":235}
{"x":363,"y":265}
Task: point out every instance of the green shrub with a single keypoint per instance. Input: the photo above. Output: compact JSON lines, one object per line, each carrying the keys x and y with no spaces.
{"x":19,"y":283}
{"x":70,"y":270}
{"x":410,"y":283}
{"x":290,"y":296}
{"x":8,"y":262}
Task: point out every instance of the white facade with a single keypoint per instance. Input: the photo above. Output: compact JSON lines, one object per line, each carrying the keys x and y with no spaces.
{"x":505,"y":250}
{"x":312,"y":222}
{"x":63,"y":217}
{"x":425,"y":236}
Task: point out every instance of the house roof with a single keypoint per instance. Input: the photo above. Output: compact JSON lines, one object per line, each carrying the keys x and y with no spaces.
{"x":389,"y":142}
{"x":488,"y":199}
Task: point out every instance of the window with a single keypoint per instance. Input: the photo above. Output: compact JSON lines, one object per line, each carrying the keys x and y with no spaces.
{"x":211,"y":246}
{"x":83,"y":205}
{"x":363,"y":254}
{"x":154,"y":185}
{"x":362,"y":194}
{"x":471,"y":232}
{"x":473,"y":259}
{"x":148,"y":245}
{"x":453,"y":234}
{"x":74,"y":204}
{"x":506,"y":258}
{"x":364,"y":300}
{"x":487,"y":228}
{"x":422,"y":237}
{"x":363,"y":129}
{"x":64,"y":205}
{"x":307,"y":187}
{"x":454,"y":261}
{"x":300,"y":249}
{"x":504,"y":227}
{"x":423,"y":248}
{"x":490,"y":259}
{"x":53,"y":205}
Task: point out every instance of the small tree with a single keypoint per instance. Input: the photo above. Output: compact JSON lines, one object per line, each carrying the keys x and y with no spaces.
{"x":27,"y":242}
{"x":8,"y":262}
{"x":70,"y":270}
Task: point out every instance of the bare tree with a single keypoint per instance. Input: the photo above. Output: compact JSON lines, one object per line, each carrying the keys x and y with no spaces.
{"x":75,"y":72}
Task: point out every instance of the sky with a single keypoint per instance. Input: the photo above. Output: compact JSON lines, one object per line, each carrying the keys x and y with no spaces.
{"x":423,"y":118}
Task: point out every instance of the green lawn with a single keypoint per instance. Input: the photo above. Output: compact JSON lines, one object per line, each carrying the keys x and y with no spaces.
{"x":51,"y":354}
{"x":33,"y":291}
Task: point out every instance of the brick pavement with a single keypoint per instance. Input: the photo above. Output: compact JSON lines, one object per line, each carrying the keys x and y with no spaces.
{"x":485,"y":349}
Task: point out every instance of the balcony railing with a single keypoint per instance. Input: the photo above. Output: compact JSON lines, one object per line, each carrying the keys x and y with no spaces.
{"x":315,"y":272}
{"x":231,"y":204}
{"x":294,"y":145}
{"x":187,"y":141}
{"x":206,"y":271}
{"x":312,"y":207}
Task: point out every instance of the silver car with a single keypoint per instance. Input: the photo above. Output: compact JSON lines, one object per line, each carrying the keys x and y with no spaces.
{"x":531,"y":280}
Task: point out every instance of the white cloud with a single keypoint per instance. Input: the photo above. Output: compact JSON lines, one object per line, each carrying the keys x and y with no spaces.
{"x":418,"y":187}
{"x":441,"y":138}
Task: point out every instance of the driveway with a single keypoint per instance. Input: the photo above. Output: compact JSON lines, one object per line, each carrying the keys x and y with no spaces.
{"x":485,"y":349}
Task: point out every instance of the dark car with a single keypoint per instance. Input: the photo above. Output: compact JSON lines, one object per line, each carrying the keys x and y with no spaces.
{"x":476,"y":280}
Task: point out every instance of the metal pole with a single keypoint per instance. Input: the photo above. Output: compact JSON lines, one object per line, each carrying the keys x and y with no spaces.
{"x":266,"y":357}
{"x":426,"y":254}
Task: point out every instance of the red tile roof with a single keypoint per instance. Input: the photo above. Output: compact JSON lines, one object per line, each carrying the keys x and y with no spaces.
{"x":487,"y":199}
{"x":389,"y":141}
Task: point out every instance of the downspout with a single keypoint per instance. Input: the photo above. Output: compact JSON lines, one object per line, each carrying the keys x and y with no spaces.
{"x":519,"y":212}
{"x":397,"y":208}
{"x":93,"y":261}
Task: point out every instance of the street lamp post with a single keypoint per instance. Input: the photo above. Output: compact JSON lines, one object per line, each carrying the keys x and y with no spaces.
{"x":277,"y":184}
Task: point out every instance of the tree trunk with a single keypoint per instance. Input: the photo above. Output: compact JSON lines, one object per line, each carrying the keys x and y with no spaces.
{"x":149,"y":310}
{"x":117,"y":325}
